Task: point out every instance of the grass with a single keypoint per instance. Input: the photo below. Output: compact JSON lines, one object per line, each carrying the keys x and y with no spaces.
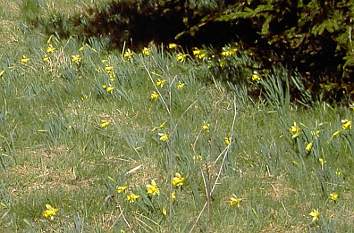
{"x":54,"y":150}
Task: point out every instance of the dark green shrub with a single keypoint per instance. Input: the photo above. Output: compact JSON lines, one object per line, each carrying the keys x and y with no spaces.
{"x":312,"y":37}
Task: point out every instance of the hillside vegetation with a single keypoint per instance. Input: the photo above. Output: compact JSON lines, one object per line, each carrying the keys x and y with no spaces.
{"x":171,"y":137}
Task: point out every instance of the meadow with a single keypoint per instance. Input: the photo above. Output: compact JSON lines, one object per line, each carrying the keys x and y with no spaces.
{"x":97,"y":140}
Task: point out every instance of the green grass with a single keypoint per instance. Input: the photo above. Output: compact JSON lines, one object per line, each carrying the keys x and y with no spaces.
{"x":53,"y":150}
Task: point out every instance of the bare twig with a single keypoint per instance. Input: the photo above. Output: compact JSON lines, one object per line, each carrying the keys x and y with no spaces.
{"x":124,"y":219}
{"x":227,"y":149}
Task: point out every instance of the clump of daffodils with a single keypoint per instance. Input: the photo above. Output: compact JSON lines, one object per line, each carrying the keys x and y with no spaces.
{"x":200,"y":53}
{"x":228,"y":51}
{"x":49,"y":212}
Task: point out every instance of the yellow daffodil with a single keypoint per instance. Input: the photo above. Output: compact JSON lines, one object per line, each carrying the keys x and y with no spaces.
{"x":199,"y":53}
{"x":180,"y":85}
{"x":181,"y":57}
{"x":49,"y":212}
{"x":178,"y":180}
{"x":227,"y":140}
{"x":234,"y":201}
{"x":172,"y":46}
{"x":122,"y":188}
{"x":205,"y":126}
{"x":255,"y":77}
{"x":154,"y":96}
{"x":131,"y":197}
{"x":146,"y":51}
{"x":164,"y":137}
{"x":104,"y":123}
{"x":2,"y":73}
{"x":164,"y":211}
{"x":45,"y":58}
{"x":108,"y":88}
{"x":152,"y":189}
{"x":173,"y":196}
{"x":228,"y":51}
{"x":24,"y":59}
{"x":333,"y":196}
{"x":315,"y":214}
{"x":108,"y":69}
{"x":160,"y":83}
{"x":322,"y":162}
{"x":198,"y":158}
{"x":309,"y":147}
{"x":346,"y":124}
{"x":295,"y":130}
{"x":338,"y":173}
{"x":128,"y":55}
{"x":76,"y":59}
{"x":50,"y":49}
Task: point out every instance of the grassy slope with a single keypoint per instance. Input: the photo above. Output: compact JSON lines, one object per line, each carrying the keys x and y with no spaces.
{"x":54,"y":151}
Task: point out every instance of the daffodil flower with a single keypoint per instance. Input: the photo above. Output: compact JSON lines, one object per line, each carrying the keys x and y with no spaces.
{"x":315,"y":214}
{"x":131,"y":197}
{"x":24,"y":59}
{"x":122,"y":188}
{"x":181,"y":57}
{"x":178,"y":180}
{"x":346,"y":124}
{"x":160,"y":83}
{"x":164,"y":137}
{"x":295,"y":130}
{"x":172,"y":46}
{"x":154,"y":96}
{"x":333,"y":196}
{"x":255,"y":77}
{"x":146,"y":51}
{"x":152,"y":189}
{"x":49,"y":212}
{"x":128,"y":55}
{"x":234,"y":201}
{"x":76,"y":59}
{"x":205,"y":126}
{"x":180,"y":85}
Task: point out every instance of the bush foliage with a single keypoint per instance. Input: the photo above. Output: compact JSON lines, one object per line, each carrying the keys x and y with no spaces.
{"x":312,"y":37}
